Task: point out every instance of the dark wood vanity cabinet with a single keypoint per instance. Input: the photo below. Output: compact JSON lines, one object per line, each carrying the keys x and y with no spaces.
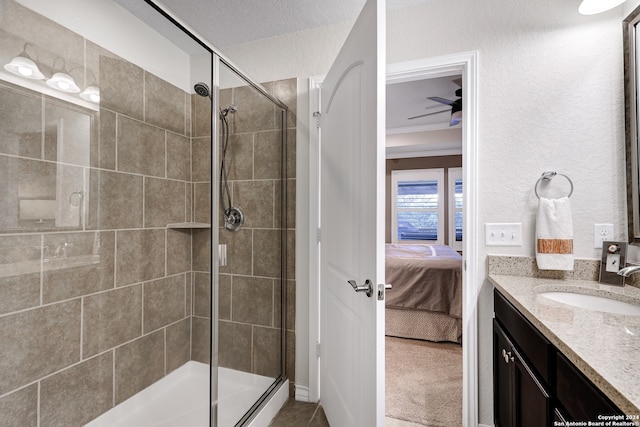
{"x":520,"y":398}
{"x":534,"y":384}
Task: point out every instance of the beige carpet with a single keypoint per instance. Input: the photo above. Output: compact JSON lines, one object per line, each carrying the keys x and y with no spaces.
{"x":424,"y":382}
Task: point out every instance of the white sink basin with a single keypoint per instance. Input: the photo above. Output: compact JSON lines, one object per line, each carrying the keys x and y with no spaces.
{"x":593,"y":302}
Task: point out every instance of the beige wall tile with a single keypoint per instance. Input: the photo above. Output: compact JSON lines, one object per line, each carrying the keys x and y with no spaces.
{"x":164,"y":202}
{"x":140,"y":255}
{"x":106,"y":153}
{"x":266,"y":253}
{"x":138,"y":364}
{"x":21,"y":407}
{"x":111,"y":319}
{"x":84,"y":267}
{"x":202,"y":199}
{"x":115,"y":200}
{"x":268,"y":155}
{"x":165,"y":104}
{"x":224,"y":296}
{"x":202,"y":294}
{"x":239,"y":256}
{"x":178,"y":251}
{"x":201,"y":251}
{"x":255,"y":111}
{"x":178,"y":157}
{"x":141,"y":147}
{"x":201,"y":149}
{"x":200,"y":339}
{"x":234,"y":346}
{"x":164,"y":302}
{"x":256,"y":199}
{"x":239,"y":159}
{"x":291,"y":153}
{"x":79,"y":394}
{"x":121,"y":87}
{"x":178,"y":344}
{"x":38,"y":342}
{"x":252,"y":300}
{"x":266,"y":351}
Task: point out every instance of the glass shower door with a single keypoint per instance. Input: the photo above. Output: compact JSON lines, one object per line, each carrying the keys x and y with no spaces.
{"x":252,"y":230}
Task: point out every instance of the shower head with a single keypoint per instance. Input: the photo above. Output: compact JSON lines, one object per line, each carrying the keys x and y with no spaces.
{"x":202,"y":89}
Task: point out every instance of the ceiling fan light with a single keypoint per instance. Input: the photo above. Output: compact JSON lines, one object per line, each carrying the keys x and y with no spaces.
{"x":456,"y":117}
{"x":24,"y":67}
{"x":591,"y":7}
{"x":63,"y":82}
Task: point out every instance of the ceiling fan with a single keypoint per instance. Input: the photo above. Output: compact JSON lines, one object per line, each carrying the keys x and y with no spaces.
{"x":456,"y":108}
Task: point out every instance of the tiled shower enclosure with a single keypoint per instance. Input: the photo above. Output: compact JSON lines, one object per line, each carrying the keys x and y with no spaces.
{"x":105,"y":253}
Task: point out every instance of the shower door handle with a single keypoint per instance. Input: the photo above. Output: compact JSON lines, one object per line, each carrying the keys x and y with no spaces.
{"x":367,"y":288}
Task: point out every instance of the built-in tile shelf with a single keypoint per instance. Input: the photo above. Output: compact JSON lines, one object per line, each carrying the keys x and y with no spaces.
{"x":189,"y":225}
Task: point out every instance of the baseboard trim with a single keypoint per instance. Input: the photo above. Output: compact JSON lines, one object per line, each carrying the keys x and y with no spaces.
{"x":302,"y":393}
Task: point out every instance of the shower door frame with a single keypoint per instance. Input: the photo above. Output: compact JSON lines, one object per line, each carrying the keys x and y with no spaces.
{"x":216,"y":59}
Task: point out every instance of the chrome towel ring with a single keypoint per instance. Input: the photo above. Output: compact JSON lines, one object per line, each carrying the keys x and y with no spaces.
{"x":548,"y":176}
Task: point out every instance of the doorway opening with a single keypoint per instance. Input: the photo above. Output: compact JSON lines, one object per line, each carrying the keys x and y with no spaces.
{"x":424,"y":248}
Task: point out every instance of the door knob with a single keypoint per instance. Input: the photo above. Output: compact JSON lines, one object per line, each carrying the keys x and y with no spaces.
{"x":367,"y":288}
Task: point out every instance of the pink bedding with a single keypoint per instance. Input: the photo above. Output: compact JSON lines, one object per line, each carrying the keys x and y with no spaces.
{"x":424,"y":277}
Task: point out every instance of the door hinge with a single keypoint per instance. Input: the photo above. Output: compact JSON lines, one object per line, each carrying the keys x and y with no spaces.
{"x":318,"y":349}
{"x":317,"y":115}
{"x":318,"y":235}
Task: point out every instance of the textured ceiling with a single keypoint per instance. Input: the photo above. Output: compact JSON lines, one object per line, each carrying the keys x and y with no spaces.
{"x":231,"y":22}
{"x":227,"y":23}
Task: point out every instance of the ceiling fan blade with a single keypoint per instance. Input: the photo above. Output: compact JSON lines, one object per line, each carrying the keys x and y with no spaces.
{"x":441,"y":100}
{"x":428,"y":114}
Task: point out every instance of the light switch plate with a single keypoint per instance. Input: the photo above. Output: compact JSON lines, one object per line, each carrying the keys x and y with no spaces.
{"x":503,"y":234}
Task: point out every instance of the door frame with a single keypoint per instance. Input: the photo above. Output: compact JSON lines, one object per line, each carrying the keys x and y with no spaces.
{"x":465,"y":64}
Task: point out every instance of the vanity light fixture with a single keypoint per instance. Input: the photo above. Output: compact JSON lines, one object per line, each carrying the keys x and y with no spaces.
{"x":91,"y":94}
{"x":62,"y":80}
{"x":591,"y":7}
{"x":23,"y":66}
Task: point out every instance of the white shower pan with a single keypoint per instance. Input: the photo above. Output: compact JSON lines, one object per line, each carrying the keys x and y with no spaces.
{"x":181,"y":399}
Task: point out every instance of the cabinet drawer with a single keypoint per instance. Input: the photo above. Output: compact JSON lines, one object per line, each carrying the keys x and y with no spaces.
{"x":536,"y":349}
{"x":577,"y":394}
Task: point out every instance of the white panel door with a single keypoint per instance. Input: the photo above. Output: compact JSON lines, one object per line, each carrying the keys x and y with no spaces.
{"x":352,"y":226}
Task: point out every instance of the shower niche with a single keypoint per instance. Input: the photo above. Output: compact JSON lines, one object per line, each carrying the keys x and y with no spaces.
{"x":111,"y":296}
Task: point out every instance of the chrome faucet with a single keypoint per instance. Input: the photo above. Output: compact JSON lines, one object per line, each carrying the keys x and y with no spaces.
{"x":628,"y":271}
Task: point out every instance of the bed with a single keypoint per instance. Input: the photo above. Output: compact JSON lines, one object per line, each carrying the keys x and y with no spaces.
{"x":426,"y":300}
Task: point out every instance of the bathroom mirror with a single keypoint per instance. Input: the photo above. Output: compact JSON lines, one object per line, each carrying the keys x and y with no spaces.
{"x":632,"y":121}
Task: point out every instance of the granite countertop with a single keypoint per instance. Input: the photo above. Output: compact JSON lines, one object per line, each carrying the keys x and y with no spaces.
{"x":604,"y":346}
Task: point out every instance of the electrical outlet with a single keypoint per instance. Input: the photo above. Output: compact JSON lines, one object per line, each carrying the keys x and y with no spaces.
{"x":503,"y":234}
{"x":601,"y":233}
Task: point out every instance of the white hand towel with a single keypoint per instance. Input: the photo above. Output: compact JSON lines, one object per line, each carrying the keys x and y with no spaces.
{"x":554,"y":234}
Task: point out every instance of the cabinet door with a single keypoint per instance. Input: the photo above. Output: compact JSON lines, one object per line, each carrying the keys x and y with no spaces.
{"x":532,"y":403}
{"x":502,"y":379}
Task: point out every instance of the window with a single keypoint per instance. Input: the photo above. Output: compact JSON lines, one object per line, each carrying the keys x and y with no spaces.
{"x":455,"y":208}
{"x":417,"y":208}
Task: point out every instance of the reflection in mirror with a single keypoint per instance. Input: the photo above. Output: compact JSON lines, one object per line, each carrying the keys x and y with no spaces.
{"x":631,"y":65}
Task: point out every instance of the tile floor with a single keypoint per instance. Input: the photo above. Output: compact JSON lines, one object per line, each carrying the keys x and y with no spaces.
{"x":301,"y":414}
